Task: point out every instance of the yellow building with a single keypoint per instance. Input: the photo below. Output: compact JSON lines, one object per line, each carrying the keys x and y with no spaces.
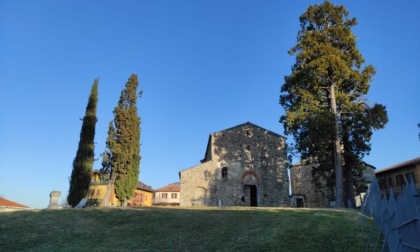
{"x":143,"y":196}
{"x":102,"y":193}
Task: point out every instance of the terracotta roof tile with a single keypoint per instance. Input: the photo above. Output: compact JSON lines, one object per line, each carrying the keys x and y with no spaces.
{"x":169,"y":188}
{"x":8,"y":203}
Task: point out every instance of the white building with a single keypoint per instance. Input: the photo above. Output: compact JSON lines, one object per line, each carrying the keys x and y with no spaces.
{"x":167,"y":195}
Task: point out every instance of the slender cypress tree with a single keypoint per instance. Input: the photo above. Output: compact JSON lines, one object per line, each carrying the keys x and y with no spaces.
{"x":82,"y":164}
{"x":122,"y":156}
{"x":107,"y":154}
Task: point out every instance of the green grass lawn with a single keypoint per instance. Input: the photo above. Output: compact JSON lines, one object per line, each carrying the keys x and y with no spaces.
{"x":182,"y":229}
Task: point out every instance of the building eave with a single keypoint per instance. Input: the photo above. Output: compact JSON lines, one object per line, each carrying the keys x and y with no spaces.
{"x":407,"y":163}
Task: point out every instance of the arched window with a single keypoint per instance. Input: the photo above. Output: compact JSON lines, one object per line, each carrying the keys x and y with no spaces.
{"x":224,"y":173}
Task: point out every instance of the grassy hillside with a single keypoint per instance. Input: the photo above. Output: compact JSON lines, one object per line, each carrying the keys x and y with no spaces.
{"x":182,"y":229}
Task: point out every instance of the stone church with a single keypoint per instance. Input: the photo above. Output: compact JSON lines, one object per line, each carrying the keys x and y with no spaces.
{"x":245,"y":165}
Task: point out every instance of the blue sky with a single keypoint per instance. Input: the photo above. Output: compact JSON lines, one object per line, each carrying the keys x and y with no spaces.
{"x":204,"y":66}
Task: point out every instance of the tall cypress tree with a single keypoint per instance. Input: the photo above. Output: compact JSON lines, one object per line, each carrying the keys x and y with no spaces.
{"x":82,"y":164}
{"x":122,"y":156}
{"x":107,"y":154}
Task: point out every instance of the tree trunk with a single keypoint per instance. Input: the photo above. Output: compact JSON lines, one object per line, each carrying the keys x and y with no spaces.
{"x":348,"y":166}
{"x":349,"y":184}
{"x":337,"y":153}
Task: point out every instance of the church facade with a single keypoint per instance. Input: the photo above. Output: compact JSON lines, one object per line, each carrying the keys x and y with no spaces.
{"x":245,"y":165}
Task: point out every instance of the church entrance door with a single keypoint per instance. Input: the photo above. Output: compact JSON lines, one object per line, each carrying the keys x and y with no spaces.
{"x":250,"y":194}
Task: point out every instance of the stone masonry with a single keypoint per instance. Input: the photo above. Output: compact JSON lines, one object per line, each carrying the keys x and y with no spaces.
{"x":304,"y":188}
{"x":245,"y":165}
{"x":54,"y":197}
{"x":306,"y":192}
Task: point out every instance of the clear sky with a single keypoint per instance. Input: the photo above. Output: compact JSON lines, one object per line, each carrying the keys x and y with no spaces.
{"x":204,"y":66}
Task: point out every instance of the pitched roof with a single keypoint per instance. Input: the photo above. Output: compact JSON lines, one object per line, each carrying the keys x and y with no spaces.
{"x":234,"y":127}
{"x":401,"y":165}
{"x":8,"y":203}
{"x":208,"y":148}
{"x":169,"y":188}
{"x":144,"y":187}
{"x":253,"y":125}
{"x":367,"y":164}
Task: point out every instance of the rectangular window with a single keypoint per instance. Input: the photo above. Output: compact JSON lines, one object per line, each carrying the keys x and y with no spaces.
{"x":410,"y":176}
{"x":164,"y":195}
{"x":400,"y":180}
{"x":91,"y":192}
{"x":174,"y":195}
{"x":224,"y":173}
{"x":382,"y":184}
{"x":390,"y":184}
{"x":98,"y":192}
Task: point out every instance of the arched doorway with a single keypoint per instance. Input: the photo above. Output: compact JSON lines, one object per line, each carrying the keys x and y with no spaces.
{"x":199,"y":196}
{"x":250,"y":181}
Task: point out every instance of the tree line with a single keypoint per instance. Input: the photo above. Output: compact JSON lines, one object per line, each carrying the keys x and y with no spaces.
{"x":121,"y":158}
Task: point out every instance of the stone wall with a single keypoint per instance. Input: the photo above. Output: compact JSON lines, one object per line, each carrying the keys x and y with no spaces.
{"x":195,"y":181}
{"x":248,"y":166}
{"x":304,"y":187}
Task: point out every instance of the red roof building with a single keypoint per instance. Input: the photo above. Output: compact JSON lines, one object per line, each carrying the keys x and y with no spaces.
{"x":8,"y":205}
{"x":167,"y":195}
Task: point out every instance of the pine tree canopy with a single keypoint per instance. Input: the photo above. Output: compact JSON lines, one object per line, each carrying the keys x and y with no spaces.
{"x":83,"y":163}
{"x":325,"y":95}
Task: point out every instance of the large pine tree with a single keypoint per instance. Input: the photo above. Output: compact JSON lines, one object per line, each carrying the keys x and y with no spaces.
{"x":83,"y":162}
{"x":122,"y":155}
{"x":324,"y":97}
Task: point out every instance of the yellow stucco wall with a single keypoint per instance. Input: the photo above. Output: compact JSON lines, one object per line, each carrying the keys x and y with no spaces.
{"x":98,"y":192}
{"x":141,"y":198}
{"x":148,"y":198}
